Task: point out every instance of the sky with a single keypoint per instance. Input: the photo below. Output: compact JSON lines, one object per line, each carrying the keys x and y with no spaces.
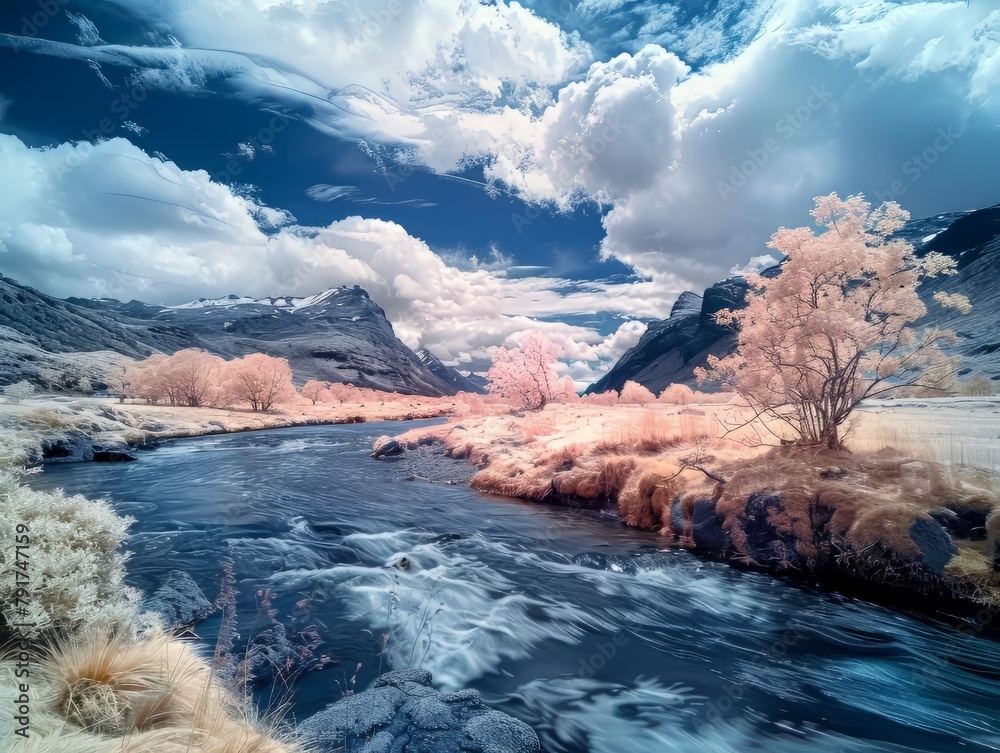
{"x":481,"y":168}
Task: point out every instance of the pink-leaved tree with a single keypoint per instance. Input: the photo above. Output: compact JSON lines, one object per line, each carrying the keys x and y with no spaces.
{"x":525,"y":375}
{"x":188,"y":377}
{"x":834,"y":326}
{"x":259,"y":381}
{"x":313,"y":390}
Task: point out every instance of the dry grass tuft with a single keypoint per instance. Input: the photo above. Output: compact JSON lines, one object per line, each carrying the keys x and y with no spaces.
{"x":114,"y":693}
{"x":652,"y":434}
{"x":537,"y":428}
{"x":646,"y":500}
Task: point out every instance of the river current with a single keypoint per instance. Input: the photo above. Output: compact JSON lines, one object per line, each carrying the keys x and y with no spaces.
{"x":600,"y":637}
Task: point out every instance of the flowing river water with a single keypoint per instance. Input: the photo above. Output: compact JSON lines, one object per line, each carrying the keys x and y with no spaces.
{"x":597,"y":635}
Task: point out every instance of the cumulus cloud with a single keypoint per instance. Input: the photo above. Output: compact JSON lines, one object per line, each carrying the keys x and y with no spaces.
{"x":693,"y":169}
{"x":107,"y":220}
{"x":856,"y":102}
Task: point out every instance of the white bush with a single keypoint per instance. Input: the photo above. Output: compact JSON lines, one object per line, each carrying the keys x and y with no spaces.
{"x":75,"y":569}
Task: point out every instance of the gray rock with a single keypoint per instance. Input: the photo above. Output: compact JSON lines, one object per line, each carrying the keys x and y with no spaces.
{"x":707,"y":529}
{"x":179,"y":601}
{"x":493,"y":732}
{"x":386,"y":446}
{"x":381,"y":743}
{"x":112,"y":456}
{"x":400,"y":677}
{"x":402,"y":713}
{"x":430,"y":713}
{"x":934,"y":543}
{"x":678,"y":523}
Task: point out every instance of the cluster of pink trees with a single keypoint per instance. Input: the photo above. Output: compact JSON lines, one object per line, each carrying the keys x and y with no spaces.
{"x":195,"y":378}
{"x":339,"y":392}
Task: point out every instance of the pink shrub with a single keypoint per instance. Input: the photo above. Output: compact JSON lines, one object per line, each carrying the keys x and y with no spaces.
{"x":313,"y":390}
{"x":677,"y":394}
{"x":525,"y":375}
{"x":634,"y":393}
{"x":607,"y":399}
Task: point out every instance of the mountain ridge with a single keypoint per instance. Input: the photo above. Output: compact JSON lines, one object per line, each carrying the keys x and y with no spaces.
{"x":337,"y":335}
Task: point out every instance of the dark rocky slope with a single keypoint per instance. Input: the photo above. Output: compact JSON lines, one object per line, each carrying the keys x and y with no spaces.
{"x":460,"y":382}
{"x":672,"y":348}
{"x":340,"y":335}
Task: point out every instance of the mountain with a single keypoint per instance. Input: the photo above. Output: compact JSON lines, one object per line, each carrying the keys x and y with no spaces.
{"x":974,"y":241}
{"x":672,"y":348}
{"x":339,"y":335}
{"x":454,"y":377}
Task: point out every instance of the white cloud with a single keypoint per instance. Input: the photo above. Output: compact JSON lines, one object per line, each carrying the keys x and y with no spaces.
{"x":107,"y":220}
{"x":694,"y":170}
{"x":444,"y":82}
{"x":757,"y":264}
{"x":326,"y":192}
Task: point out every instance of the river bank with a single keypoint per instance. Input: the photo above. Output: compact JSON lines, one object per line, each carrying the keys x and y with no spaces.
{"x":599,"y":636}
{"x":896,"y":511}
{"x":71,"y":429}
{"x":116,"y":667}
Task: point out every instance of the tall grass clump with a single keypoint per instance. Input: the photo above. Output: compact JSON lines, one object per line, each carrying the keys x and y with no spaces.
{"x":107,"y":692}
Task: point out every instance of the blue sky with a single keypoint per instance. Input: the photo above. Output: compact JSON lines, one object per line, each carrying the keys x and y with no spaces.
{"x":482,"y":168}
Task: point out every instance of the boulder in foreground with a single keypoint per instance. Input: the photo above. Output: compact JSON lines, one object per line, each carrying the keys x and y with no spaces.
{"x":401,"y":711}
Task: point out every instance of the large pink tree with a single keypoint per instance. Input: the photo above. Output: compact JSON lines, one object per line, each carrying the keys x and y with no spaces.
{"x":834,"y":326}
{"x":259,"y":381}
{"x":526,"y":375}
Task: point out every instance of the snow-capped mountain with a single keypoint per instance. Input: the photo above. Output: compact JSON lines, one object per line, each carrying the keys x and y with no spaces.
{"x":339,"y":335}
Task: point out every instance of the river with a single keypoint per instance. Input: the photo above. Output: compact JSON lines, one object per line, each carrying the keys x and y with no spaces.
{"x":597,"y":635}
